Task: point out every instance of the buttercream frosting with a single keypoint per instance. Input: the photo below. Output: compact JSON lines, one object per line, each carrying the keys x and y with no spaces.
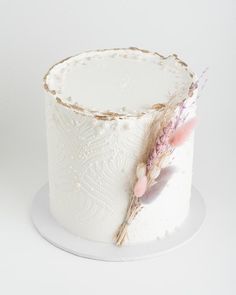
{"x":99,"y":108}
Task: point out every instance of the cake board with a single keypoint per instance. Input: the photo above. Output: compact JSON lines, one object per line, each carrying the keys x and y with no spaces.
{"x":50,"y":230}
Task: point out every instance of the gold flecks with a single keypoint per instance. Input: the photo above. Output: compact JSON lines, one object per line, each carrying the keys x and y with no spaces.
{"x":61,"y":102}
{"x":111,"y":115}
{"x":104,"y":117}
{"x":138,"y":49}
{"x":158,"y":106}
{"x":74,"y":106}
{"x":192,"y":87}
{"x":183,"y":63}
{"x":46,"y":87}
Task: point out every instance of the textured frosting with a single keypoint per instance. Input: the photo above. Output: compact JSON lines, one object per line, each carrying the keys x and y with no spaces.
{"x":92,"y":165}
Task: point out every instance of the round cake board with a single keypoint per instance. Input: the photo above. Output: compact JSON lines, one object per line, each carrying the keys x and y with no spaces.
{"x":61,"y":238}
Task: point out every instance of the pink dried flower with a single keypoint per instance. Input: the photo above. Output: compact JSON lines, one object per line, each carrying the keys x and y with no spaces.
{"x":182,"y":133}
{"x":140,"y":186}
{"x":161,"y":144}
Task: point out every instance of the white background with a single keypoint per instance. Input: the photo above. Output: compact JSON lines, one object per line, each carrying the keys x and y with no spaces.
{"x":36,"y":34}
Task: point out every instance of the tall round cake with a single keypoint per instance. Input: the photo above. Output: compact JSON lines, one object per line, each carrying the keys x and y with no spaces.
{"x":119,"y":144}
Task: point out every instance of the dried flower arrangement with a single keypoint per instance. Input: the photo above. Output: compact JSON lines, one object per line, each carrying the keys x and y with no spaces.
{"x":153,"y":174}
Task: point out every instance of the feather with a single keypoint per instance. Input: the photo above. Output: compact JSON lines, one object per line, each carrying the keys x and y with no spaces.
{"x":157,"y":188}
{"x":182,"y":133}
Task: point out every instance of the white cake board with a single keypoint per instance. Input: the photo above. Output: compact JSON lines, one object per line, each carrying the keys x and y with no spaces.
{"x":59,"y":237}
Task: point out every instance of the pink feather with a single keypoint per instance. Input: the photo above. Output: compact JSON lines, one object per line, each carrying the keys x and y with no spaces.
{"x":182,"y":133}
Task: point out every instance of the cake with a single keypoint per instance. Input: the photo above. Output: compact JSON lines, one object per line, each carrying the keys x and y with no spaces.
{"x":119,"y":144}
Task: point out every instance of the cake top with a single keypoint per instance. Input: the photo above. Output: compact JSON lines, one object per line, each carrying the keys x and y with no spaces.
{"x":119,"y":82}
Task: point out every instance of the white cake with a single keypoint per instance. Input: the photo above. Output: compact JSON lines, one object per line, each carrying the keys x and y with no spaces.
{"x":101,"y":106}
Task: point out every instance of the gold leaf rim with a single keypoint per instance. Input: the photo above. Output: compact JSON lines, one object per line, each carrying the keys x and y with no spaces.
{"x":112,"y":115}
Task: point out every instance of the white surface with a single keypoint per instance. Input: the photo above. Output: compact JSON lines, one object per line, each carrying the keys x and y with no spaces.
{"x":92,"y":163}
{"x":36,"y":34}
{"x":109,"y":80}
{"x":61,"y":238}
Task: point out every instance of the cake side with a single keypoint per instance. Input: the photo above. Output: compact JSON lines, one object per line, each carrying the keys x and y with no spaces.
{"x":92,"y":165}
{"x":91,"y":168}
